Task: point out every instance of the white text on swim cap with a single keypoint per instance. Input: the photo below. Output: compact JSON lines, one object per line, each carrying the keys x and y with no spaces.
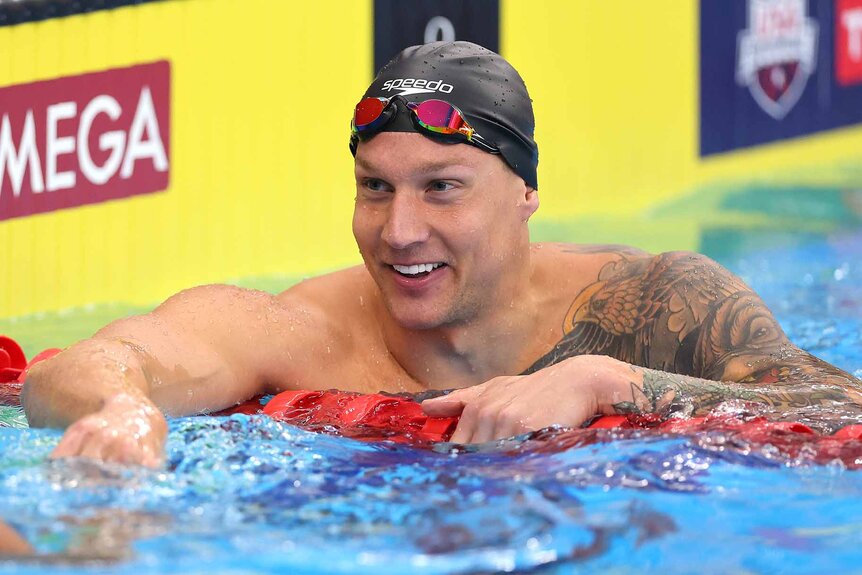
{"x":408,"y":86}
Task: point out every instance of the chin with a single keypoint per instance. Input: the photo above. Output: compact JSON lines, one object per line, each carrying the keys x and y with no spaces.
{"x":409,"y":317}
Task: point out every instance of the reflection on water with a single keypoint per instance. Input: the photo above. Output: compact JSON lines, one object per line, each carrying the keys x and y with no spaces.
{"x":249,"y":492}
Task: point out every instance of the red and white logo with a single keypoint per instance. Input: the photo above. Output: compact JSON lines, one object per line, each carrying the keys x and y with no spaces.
{"x":84,"y":139}
{"x":848,"y":42}
{"x":776,"y":53}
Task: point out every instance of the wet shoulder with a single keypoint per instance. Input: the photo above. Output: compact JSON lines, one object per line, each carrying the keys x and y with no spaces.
{"x":341,"y":298}
{"x":565,"y":269}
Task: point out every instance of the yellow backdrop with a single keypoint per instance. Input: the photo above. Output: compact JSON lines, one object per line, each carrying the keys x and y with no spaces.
{"x":261,"y":178}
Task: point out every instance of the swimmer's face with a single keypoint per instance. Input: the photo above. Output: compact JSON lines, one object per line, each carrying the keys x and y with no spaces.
{"x":442,"y":228}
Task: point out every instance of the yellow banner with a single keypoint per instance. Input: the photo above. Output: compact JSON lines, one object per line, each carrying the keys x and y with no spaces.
{"x":260,"y":175}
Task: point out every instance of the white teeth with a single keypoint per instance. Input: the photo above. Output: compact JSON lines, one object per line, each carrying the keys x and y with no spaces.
{"x":416,"y":268}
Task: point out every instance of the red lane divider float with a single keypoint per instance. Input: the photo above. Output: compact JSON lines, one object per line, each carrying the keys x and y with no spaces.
{"x":371,"y":416}
{"x":13,"y":362}
{"x":376,"y":417}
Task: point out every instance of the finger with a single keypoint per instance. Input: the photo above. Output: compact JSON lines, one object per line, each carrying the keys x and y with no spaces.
{"x":486,"y":423}
{"x":511,"y":429}
{"x":93,"y":448}
{"x":510,"y":422}
{"x":152,"y":459}
{"x":466,"y":425}
{"x":484,"y":431}
{"x":69,"y":444}
{"x":443,"y":406}
{"x":123,"y":449}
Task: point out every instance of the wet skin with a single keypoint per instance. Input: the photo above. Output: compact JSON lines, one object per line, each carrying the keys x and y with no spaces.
{"x":536,"y":335}
{"x":12,"y":544}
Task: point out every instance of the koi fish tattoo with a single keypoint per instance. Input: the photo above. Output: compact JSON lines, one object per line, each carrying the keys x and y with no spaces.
{"x":703,"y":335}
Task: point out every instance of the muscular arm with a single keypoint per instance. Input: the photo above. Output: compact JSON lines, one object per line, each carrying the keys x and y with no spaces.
{"x":704,"y":336}
{"x":186,"y":356}
{"x":204,"y":349}
{"x":673,"y":334}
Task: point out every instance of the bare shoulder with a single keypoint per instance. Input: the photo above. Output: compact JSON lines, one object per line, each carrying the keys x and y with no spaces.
{"x":675,"y":311}
{"x":592,"y":249}
{"x":337,"y":309}
{"x":343,"y":294}
{"x":565,"y":269}
{"x":586,"y":257}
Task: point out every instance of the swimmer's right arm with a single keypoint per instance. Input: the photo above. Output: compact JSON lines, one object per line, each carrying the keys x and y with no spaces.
{"x":203,"y":349}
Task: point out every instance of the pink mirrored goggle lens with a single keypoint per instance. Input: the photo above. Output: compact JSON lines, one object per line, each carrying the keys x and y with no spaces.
{"x":441,"y":117}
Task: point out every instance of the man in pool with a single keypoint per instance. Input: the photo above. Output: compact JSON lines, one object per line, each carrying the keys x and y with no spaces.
{"x":452,"y":295}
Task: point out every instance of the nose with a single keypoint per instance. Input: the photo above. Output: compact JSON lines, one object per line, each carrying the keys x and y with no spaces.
{"x":406,"y":222}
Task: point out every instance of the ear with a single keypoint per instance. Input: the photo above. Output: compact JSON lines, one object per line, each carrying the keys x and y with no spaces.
{"x":531,"y":202}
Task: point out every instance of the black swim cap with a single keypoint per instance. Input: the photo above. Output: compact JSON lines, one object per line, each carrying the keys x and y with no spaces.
{"x":479,"y":82}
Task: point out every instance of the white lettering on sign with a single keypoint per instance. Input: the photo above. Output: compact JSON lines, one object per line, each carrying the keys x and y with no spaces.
{"x":139,"y":148}
{"x":84,"y":139}
{"x":113,"y":141}
{"x":16,"y":161}
{"x":144,"y":142}
{"x":57,"y":146}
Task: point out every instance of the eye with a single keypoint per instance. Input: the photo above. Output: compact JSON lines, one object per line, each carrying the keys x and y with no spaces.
{"x":440,"y":186}
{"x":374,"y":185}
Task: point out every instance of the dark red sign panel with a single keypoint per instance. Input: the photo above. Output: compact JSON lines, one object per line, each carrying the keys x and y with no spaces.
{"x":84,"y":139}
{"x":848,"y":42}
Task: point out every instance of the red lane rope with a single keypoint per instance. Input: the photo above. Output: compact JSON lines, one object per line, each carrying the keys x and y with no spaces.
{"x":375,"y":417}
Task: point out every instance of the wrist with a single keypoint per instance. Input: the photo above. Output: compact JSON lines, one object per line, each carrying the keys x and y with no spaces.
{"x":80,"y":380}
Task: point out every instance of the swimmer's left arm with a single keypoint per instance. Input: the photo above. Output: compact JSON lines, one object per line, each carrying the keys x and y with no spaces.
{"x":573,"y":391}
{"x":683,"y":335}
{"x":669,"y":394}
{"x":682,"y":313}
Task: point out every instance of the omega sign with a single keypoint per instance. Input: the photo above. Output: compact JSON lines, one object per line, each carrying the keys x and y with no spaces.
{"x":84,"y":139}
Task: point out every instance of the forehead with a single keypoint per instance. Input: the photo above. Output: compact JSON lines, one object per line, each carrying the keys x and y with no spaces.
{"x":406,"y":151}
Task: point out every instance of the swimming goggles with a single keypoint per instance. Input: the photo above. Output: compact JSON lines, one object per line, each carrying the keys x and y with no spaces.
{"x":436,"y":116}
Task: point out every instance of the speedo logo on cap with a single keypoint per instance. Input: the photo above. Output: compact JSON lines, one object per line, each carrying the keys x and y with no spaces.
{"x":408,"y":86}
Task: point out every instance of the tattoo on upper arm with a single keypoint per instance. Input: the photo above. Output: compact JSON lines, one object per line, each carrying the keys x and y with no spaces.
{"x":682,"y":313}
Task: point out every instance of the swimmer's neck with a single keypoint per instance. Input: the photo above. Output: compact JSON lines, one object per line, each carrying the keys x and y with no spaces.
{"x":495,"y":342}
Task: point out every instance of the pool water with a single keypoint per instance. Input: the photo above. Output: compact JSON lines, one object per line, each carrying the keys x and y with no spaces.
{"x":244,"y":494}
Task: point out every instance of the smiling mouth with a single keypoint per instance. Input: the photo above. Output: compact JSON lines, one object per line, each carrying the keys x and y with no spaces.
{"x":417,"y":270}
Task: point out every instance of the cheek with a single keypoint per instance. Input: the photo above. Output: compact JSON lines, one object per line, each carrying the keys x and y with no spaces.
{"x":364,"y":223}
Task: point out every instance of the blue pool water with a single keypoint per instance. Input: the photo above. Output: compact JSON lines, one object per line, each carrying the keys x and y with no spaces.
{"x":246,"y":494}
